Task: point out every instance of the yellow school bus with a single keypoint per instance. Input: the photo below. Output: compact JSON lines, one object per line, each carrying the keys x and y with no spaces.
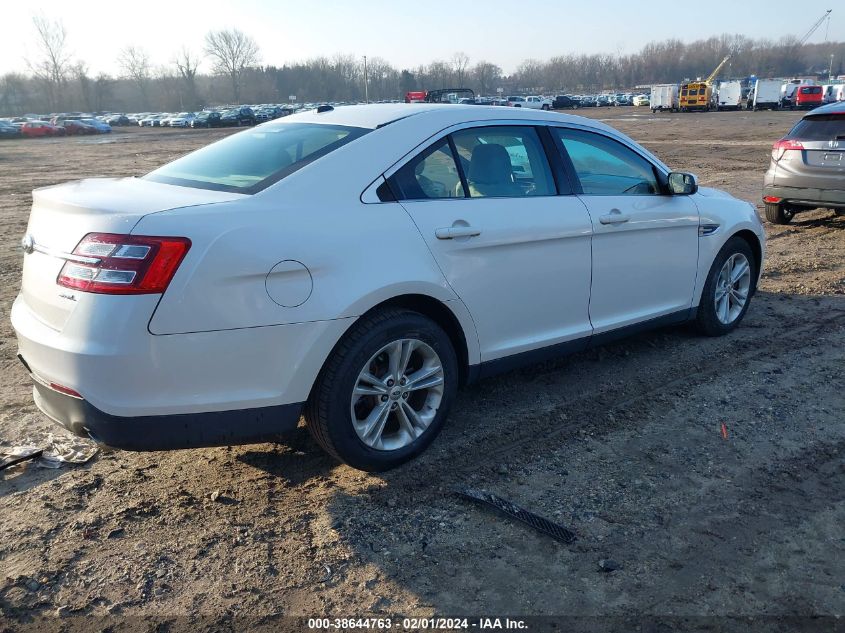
{"x":695,"y":95}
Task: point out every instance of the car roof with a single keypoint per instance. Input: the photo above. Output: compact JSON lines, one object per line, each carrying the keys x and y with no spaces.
{"x":837,"y":107}
{"x":374,"y":116}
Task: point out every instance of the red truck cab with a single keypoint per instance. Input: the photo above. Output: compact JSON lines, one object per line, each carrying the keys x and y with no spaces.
{"x":808,"y":96}
{"x":415,"y":96}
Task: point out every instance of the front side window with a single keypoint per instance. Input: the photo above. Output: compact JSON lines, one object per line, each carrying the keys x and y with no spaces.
{"x":605,"y":167}
{"x":252,"y":160}
{"x":432,"y":174}
{"x":504,"y":161}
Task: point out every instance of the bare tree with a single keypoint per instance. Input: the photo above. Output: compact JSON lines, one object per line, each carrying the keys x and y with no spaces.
{"x":437,"y":75}
{"x":529,"y":75}
{"x":85,"y":86}
{"x":53,"y":62}
{"x":460,"y":63}
{"x":486,"y":75}
{"x":186,"y":64}
{"x":232,"y":51}
{"x":13,"y":93}
{"x":136,"y":66}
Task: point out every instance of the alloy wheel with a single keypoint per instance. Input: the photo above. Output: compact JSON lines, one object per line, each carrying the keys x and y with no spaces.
{"x":397,"y":394}
{"x":732,"y":288}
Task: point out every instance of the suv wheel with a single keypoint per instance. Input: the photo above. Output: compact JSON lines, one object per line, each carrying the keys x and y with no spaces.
{"x":777,"y":213}
{"x":384,"y":393}
{"x":728,"y":289}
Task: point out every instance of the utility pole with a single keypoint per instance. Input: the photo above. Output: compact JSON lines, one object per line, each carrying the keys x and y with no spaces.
{"x":366,"y":82}
{"x":830,"y":68}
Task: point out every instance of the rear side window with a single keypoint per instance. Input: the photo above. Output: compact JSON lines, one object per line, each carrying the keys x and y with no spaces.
{"x":822,"y":127}
{"x":605,"y":167}
{"x":432,"y":174}
{"x":255,"y":159}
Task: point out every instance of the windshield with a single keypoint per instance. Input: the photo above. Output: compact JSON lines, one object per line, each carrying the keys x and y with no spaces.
{"x":252,"y":160}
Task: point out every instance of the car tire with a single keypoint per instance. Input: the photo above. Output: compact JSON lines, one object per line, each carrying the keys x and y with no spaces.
{"x":545,"y":107}
{"x":711,"y":319}
{"x":777,"y":213}
{"x":332,"y":411}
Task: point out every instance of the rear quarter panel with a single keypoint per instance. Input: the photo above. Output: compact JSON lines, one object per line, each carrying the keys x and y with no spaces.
{"x":356,"y":254}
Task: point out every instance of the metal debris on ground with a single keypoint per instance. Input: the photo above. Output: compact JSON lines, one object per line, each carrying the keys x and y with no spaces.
{"x":557,"y":532}
{"x":51,"y":452}
{"x":18,"y":454}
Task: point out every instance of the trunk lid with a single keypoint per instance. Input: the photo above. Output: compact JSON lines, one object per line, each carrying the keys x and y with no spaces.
{"x":63,"y":214}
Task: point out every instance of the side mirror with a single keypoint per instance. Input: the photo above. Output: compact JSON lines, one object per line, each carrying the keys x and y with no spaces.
{"x":682,"y":184}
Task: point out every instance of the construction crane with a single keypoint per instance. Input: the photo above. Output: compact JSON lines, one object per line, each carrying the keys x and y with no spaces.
{"x":815,"y":27}
{"x":698,"y":95}
{"x":716,"y":70}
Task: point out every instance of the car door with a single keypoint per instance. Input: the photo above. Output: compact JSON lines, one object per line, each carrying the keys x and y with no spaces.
{"x":645,"y":241}
{"x":515,"y":252}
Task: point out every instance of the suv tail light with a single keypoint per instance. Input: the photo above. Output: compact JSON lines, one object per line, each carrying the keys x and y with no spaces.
{"x":785,"y":145}
{"x":124,"y":264}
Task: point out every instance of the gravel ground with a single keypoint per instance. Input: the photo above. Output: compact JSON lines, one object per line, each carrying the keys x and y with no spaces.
{"x":695,"y":523}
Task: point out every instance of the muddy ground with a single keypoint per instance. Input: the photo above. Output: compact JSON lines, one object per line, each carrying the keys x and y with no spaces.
{"x":622,"y":444}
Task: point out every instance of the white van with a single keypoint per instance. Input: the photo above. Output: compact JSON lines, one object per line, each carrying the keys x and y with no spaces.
{"x":766,"y":94}
{"x":729,"y":95}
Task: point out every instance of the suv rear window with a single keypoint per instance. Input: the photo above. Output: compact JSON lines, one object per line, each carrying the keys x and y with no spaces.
{"x":821,"y":127}
{"x":255,"y":159}
{"x":812,"y":90}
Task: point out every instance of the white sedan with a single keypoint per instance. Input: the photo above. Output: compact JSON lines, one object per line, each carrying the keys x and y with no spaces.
{"x":357,"y":265}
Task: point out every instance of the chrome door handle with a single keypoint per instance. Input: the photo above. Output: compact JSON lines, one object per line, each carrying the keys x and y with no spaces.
{"x":451,"y":232}
{"x":614,"y":217}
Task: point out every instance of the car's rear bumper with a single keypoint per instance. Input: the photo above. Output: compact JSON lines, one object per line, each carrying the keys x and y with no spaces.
{"x":807,"y":196}
{"x":164,"y":432}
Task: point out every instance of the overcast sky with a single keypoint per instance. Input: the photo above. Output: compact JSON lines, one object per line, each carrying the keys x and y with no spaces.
{"x":407,"y":33}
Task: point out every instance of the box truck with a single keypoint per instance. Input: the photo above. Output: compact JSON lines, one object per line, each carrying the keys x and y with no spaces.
{"x":664,"y":97}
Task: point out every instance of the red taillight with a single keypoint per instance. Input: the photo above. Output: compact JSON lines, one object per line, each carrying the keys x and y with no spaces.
{"x":124,"y":264}
{"x":772,"y":199}
{"x":785,"y":145}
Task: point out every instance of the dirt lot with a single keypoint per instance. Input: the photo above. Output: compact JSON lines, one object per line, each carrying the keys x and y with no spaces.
{"x":622,"y":444}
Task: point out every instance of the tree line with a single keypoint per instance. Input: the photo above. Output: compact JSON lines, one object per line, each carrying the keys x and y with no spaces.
{"x":56,"y":81}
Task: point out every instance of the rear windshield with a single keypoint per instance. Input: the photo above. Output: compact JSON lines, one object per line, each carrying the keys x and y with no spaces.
{"x":812,"y":90}
{"x":255,"y":159}
{"x":822,"y":127}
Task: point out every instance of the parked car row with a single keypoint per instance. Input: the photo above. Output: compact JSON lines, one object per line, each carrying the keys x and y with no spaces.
{"x":80,"y":123}
{"x":225,"y":117}
{"x":57,"y":125}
